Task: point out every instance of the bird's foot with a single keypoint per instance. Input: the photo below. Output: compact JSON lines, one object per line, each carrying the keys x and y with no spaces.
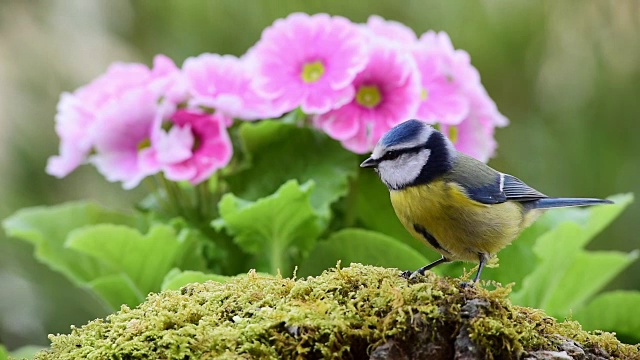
{"x":411,"y":275}
{"x":466,"y":284}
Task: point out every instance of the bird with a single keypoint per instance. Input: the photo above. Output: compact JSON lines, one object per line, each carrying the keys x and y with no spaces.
{"x":455,"y":204}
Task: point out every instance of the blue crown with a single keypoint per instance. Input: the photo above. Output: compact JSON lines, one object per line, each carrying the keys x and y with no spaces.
{"x":403,"y":132}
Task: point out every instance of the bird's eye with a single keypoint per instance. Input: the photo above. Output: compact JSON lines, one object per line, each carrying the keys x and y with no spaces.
{"x":392,"y":154}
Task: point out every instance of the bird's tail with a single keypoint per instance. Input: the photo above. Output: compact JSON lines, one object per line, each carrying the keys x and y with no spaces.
{"x":549,"y":203}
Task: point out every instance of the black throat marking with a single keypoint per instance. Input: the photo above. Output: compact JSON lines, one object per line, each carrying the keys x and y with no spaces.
{"x":430,"y":238}
{"x":439,"y":162}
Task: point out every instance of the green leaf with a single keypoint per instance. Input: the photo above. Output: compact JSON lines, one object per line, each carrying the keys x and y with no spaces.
{"x":116,"y":290}
{"x":360,"y":246}
{"x":277,"y":229}
{"x":615,"y":310}
{"x":47,"y":229}
{"x":281,"y":151}
{"x":190,"y":255}
{"x":518,"y":259}
{"x":296,"y":116}
{"x":145,"y":259}
{"x":4,"y":354}
{"x":105,"y":251}
{"x":374,"y":211}
{"x":592,"y":219}
{"x":25,"y":352}
{"x":599,"y":267}
{"x":560,"y":250}
{"x":557,"y":250}
{"x":176,"y":279}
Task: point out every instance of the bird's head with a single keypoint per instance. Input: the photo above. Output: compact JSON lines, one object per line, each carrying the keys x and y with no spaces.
{"x":411,"y":153}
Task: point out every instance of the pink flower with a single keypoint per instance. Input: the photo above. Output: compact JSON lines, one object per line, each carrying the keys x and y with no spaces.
{"x":447,"y":74}
{"x":391,"y":30}
{"x":224,"y":83}
{"x":309,"y":61}
{"x":474,"y":135}
{"x":121,"y":137}
{"x":453,"y":96}
{"x":78,"y":112}
{"x":195,"y":145}
{"x":387,"y":93}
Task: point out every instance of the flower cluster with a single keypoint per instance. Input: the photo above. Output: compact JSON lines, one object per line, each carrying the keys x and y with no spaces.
{"x":353,"y":81}
{"x":132,"y":122}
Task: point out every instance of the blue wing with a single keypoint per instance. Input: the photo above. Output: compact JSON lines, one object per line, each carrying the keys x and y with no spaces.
{"x":503,"y":188}
{"x":488,"y":186}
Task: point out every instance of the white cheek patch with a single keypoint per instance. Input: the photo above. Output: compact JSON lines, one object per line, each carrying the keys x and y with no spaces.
{"x":404,"y":170}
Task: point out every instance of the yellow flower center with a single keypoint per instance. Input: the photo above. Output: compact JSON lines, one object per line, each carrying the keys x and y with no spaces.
{"x":368,"y":96}
{"x":453,"y":134}
{"x":424,"y":94}
{"x":144,"y":144}
{"x":312,"y":72}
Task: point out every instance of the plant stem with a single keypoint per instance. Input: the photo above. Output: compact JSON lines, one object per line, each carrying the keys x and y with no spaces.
{"x":203,"y":196}
{"x":276,"y":260}
{"x":173,"y":194}
{"x":155,"y":187}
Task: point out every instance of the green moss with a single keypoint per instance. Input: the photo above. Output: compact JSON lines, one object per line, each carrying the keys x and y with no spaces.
{"x":344,"y":313}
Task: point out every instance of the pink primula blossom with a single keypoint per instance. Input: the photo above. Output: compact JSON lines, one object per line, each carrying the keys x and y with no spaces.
{"x":387,"y":93}
{"x":121,"y":135}
{"x":224,"y":84}
{"x":309,"y":61}
{"x":358,"y":81}
{"x":391,"y":30}
{"x":195,"y":145}
{"x":79,"y":112}
{"x":474,"y":135}
{"x":453,"y":96}
{"x":447,"y":74}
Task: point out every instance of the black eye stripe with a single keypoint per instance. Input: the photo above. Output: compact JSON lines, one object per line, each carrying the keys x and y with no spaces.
{"x":394,"y":154}
{"x":390,"y":155}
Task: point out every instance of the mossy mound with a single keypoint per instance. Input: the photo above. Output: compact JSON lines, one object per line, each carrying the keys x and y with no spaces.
{"x":357,"y":312}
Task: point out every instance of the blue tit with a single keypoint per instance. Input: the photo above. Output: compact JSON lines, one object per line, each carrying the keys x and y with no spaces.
{"x":457,"y":205}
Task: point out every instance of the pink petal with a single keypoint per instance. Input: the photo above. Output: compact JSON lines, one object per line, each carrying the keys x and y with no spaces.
{"x":175,"y":146}
{"x":283,"y":51}
{"x":391,"y":30}
{"x":343,"y":123}
{"x":225,"y":84}
{"x":122,"y":127}
{"x":213,"y":152}
{"x":392,"y":71}
{"x":82,"y":111}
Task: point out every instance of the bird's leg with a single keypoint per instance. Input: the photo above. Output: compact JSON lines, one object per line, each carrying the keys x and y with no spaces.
{"x":483,"y":260}
{"x":411,"y":275}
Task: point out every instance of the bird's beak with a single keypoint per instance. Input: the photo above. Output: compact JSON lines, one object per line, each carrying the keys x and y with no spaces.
{"x":369,"y":163}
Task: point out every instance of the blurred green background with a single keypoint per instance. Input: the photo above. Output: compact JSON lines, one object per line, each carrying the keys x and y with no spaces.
{"x":567,"y":75}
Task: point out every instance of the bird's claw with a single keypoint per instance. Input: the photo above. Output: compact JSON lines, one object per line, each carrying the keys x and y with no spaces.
{"x":466,"y":285}
{"x":410,"y":275}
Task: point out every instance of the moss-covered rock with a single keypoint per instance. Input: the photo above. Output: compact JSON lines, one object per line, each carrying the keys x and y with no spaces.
{"x":357,"y":312}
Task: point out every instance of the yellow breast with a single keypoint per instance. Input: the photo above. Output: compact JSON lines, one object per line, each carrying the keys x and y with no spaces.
{"x":443,"y":217}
